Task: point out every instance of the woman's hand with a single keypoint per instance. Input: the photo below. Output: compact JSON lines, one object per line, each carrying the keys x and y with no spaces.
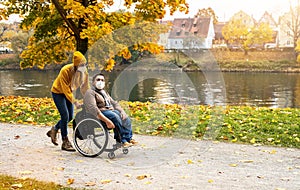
{"x":77,"y":105}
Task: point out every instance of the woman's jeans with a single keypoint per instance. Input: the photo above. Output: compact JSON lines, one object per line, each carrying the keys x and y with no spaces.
{"x":65,"y":108}
{"x":122,"y":127}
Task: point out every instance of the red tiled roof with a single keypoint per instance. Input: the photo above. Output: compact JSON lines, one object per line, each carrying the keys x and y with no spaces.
{"x":184,"y":27}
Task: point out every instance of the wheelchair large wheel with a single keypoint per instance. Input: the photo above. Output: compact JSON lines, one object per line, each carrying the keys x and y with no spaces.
{"x":90,"y":137}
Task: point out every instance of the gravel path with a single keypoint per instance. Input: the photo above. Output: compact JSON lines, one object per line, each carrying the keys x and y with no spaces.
{"x":156,"y":163}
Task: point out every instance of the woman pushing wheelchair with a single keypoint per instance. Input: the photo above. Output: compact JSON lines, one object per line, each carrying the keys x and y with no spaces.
{"x":99,"y":103}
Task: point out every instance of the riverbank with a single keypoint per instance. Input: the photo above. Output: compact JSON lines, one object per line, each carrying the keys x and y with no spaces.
{"x":235,"y":124}
{"x":227,"y":61}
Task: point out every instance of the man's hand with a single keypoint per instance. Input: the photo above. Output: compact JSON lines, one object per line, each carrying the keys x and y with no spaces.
{"x":123,"y":115}
{"x":110,"y":124}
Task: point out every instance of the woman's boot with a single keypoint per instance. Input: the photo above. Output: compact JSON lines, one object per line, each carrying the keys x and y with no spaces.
{"x":66,"y":145}
{"x":53,"y":134}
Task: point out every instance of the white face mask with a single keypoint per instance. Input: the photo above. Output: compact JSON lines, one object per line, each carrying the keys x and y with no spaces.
{"x":81,"y":69}
{"x":100,"y":85}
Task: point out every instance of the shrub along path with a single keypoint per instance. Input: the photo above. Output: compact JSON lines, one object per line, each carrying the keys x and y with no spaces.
{"x":156,"y":163}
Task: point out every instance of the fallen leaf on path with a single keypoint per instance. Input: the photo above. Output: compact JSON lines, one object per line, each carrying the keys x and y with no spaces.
{"x":70,"y":181}
{"x":60,"y":168}
{"x":91,"y":183}
{"x":79,"y":161}
{"x":273,"y":152}
{"x":16,"y":136}
{"x":127,"y":175}
{"x":210,"y":181}
{"x":246,"y":161}
{"x":148,"y":182}
{"x":233,"y":165}
{"x":106,"y":181}
{"x":190,"y":161}
{"x":141,"y":177}
{"x":130,"y":164}
{"x":26,"y":172}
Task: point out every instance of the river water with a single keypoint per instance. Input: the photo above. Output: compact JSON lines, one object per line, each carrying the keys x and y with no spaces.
{"x":254,"y":89}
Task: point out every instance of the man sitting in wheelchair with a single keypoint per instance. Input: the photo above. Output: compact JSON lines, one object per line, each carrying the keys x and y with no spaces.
{"x":99,"y":103}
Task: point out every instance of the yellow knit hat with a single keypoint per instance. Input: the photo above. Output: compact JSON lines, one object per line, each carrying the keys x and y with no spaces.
{"x":78,"y":58}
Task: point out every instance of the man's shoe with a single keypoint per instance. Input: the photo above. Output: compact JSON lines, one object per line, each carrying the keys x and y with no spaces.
{"x":133,"y":142}
{"x":53,"y":135}
{"x":66,"y":145}
{"x":126,"y":144}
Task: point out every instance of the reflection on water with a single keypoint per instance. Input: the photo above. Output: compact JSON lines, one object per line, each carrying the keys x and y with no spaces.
{"x":26,"y":83}
{"x":255,"y":89}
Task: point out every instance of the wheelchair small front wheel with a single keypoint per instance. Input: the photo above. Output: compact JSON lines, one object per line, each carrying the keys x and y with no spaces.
{"x":125,"y":151}
{"x":111,"y":155}
{"x":90,"y":137}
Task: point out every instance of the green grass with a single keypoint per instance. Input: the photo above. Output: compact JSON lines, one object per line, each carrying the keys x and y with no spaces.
{"x":236,"y":124}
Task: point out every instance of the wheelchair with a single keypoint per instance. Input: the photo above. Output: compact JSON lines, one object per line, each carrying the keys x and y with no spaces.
{"x":91,"y":136}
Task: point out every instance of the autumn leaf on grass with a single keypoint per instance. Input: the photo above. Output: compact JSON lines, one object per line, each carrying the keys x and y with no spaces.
{"x":17,"y":185}
{"x":70,"y":181}
{"x":252,"y":141}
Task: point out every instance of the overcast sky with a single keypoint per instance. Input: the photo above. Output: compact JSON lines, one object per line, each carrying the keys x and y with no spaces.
{"x":224,"y":9}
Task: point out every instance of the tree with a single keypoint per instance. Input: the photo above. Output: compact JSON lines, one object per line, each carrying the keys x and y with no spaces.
{"x":291,"y":23}
{"x":239,"y":34}
{"x":19,"y":42}
{"x":209,"y":12}
{"x":3,"y":30}
{"x":62,"y":26}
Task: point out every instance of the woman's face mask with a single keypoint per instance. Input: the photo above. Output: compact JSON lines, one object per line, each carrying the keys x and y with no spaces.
{"x":100,"y":85}
{"x":81,"y":68}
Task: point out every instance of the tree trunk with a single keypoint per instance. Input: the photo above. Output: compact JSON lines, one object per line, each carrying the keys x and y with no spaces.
{"x":82,"y":45}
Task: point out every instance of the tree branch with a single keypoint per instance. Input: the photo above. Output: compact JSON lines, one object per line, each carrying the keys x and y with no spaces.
{"x":69,"y":22}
